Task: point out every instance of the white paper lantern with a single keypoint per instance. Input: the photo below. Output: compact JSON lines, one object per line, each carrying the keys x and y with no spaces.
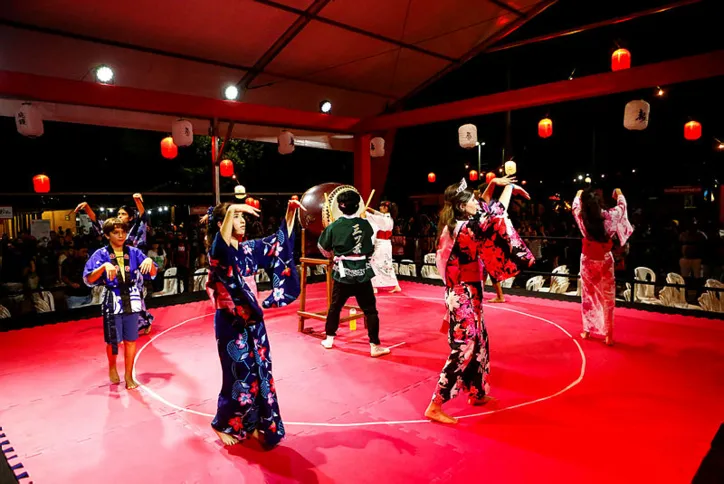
{"x":377,"y":147}
{"x":468,"y":136}
{"x":286,"y":142}
{"x":636,"y":115}
{"x":29,"y":121}
{"x":510,"y":167}
{"x":182,"y":132}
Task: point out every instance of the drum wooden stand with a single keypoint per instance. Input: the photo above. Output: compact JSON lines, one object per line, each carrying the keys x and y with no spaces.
{"x":322,"y":316}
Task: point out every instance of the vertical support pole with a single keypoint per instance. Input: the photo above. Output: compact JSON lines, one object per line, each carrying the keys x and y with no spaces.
{"x":215,"y":161}
{"x":362,"y":165}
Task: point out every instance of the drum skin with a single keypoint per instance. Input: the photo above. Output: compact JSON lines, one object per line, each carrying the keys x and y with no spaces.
{"x":313,"y":201}
{"x":318,"y":217}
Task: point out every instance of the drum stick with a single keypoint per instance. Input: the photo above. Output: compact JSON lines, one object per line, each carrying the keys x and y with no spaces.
{"x":369,"y":200}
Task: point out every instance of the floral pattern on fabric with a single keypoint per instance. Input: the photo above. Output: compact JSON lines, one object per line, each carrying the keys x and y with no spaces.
{"x":468,"y":366}
{"x":247,"y":400}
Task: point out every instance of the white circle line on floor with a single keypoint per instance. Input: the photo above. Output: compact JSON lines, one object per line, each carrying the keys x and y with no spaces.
{"x":391,"y":422}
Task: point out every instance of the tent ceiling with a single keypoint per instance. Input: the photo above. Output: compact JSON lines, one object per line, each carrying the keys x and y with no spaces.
{"x":360,"y":55}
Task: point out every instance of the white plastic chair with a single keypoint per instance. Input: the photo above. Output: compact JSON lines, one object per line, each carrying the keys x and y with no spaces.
{"x":407,"y":268}
{"x":645,"y":293}
{"x":201,"y":276}
{"x":675,"y":297}
{"x":171,"y":285}
{"x":4,"y":313}
{"x":713,"y":300}
{"x":534,"y":284}
{"x":559,"y":284}
{"x":577,"y":292}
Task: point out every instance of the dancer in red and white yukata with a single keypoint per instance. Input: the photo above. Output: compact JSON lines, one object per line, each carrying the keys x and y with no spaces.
{"x":598,"y":226}
{"x":471,"y":233}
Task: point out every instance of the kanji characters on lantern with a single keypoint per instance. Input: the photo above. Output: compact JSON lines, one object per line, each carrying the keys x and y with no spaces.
{"x":29,"y":121}
{"x":182,"y":132}
{"x":636,"y":115}
{"x":468,"y":136}
{"x":168,"y":148}
{"x":286,"y":142}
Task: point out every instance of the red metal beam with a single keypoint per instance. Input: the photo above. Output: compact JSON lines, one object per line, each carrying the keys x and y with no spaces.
{"x":663,"y":73}
{"x":595,"y":25}
{"x":279,"y":45}
{"x":536,"y":10}
{"x":67,"y":91}
{"x":356,"y":30}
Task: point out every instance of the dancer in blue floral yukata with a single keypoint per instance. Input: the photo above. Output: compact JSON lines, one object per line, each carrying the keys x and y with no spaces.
{"x":248,"y":403}
{"x":137,"y":222}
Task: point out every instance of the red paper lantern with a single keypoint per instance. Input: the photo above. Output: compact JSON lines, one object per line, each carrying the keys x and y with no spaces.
{"x":253,"y":202}
{"x":473,"y":175}
{"x":41,"y":184}
{"x":257,"y":204}
{"x":168,"y":148}
{"x":692,"y":130}
{"x":431,"y":177}
{"x":621,"y":59}
{"x":545,"y":128}
{"x":226,"y":168}
{"x":489,"y":177}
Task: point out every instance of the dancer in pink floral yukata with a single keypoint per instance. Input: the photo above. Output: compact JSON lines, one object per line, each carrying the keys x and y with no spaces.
{"x":598,"y":286}
{"x":471,"y":233}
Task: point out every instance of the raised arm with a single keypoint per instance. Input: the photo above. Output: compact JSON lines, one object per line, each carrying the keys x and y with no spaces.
{"x":138,"y":200}
{"x":87,"y":209}
{"x":292,"y":208}
{"x":235,"y":211}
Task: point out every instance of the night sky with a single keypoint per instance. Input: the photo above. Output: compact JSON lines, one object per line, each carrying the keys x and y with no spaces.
{"x":72,"y":154}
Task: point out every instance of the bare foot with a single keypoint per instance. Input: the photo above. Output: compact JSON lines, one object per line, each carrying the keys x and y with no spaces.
{"x":497,"y":300}
{"x":375,"y":290}
{"x":585,"y":335}
{"x":609,"y":340}
{"x":477,"y":402}
{"x":146,"y":330}
{"x":113,"y":375}
{"x":396,"y":289}
{"x":227,"y":439}
{"x":435,"y":413}
{"x":131,"y":384}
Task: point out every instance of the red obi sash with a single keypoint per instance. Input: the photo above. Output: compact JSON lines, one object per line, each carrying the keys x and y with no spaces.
{"x":384,"y":234}
{"x":596,"y":250}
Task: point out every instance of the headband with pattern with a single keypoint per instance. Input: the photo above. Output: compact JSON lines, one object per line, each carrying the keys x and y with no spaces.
{"x":463,"y":186}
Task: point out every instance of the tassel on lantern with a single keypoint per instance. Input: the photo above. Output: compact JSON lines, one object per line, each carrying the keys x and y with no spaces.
{"x":286,"y":142}
{"x":636,"y":115}
{"x":377,"y":147}
{"x":468,"y":136}
{"x":29,"y":121}
{"x":182,"y":132}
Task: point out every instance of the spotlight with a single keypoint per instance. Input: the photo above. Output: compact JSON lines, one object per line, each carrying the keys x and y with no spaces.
{"x":103,"y":209}
{"x":150,"y":210}
{"x":660,"y":92}
{"x":580,"y":177}
{"x":104,"y":74}
{"x":633,"y":171}
{"x":325,"y":106}
{"x":231,"y":93}
{"x":603,"y":176}
{"x":165,"y":209}
{"x":721,"y":146}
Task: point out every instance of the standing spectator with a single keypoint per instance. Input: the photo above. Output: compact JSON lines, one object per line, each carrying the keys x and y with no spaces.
{"x":77,"y":292}
{"x":692,"y":247}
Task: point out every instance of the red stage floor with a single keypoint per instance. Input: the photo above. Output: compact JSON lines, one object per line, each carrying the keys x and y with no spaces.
{"x":568,"y":410}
